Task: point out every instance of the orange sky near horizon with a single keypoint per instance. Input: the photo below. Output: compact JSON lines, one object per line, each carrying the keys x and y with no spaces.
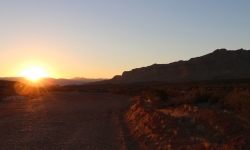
{"x":60,"y":69}
{"x":54,"y":61}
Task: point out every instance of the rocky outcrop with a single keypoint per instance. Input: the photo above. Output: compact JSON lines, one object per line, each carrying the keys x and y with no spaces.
{"x":220,"y":64}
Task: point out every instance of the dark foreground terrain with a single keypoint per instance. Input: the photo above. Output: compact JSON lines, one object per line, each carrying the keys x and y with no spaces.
{"x":155,"y":115}
{"x":70,"y":120}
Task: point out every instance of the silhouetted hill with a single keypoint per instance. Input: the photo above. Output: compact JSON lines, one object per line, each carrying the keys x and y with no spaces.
{"x":220,"y":64}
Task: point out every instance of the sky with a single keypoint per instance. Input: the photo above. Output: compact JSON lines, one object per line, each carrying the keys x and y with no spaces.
{"x":100,"y":39}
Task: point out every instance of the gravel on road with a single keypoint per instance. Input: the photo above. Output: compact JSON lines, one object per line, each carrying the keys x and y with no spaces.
{"x":70,"y":120}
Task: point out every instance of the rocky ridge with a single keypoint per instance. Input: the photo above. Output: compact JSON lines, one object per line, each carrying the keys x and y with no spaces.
{"x":220,"y":64}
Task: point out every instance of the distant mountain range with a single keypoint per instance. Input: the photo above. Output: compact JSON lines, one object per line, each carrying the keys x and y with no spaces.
{"x":220,"y":64}
{"x":53,"y":81}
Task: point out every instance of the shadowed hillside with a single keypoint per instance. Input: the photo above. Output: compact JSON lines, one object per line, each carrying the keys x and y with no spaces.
{"x":220,"y":64}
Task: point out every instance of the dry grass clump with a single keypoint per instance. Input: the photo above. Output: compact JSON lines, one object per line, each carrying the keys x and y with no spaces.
{"x":239,"y":101}
{"x":192,"y":97}
{"x":156,"y":98}
{"x":157,"y":94}
{"x":197,"y":96}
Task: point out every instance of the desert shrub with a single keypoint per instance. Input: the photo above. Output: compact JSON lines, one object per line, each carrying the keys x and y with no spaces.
{"x":173,"y":92}
{"x":155,"y":98}
{"x":160,"y":95}
{"x":239,"y":101}
{"x":195,"y":96}
{"x":217,"y":96}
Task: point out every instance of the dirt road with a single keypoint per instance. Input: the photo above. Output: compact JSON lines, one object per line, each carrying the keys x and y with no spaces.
{"x":70,"y":120}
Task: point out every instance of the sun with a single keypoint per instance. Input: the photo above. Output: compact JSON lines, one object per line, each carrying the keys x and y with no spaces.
{"x":34,"y":73}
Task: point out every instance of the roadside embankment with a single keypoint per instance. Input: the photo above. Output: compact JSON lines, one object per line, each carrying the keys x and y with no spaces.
{"x":185,"y":127}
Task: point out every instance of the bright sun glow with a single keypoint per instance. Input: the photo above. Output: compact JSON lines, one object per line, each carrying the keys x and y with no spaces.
{"x":34,"y":73}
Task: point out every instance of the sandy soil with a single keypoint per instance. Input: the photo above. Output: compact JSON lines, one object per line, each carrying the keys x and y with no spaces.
{"x":70,"y":120}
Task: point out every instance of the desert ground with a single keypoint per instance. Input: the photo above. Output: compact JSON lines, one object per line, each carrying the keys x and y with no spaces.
{"x":69,"y":120}
{"x":207,"y":115}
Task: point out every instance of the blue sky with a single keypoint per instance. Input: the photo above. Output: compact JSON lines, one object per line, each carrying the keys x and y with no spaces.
{"x":100,"y":39}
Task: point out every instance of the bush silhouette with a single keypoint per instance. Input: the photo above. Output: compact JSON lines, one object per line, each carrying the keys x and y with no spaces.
{"x":239,"y":101}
